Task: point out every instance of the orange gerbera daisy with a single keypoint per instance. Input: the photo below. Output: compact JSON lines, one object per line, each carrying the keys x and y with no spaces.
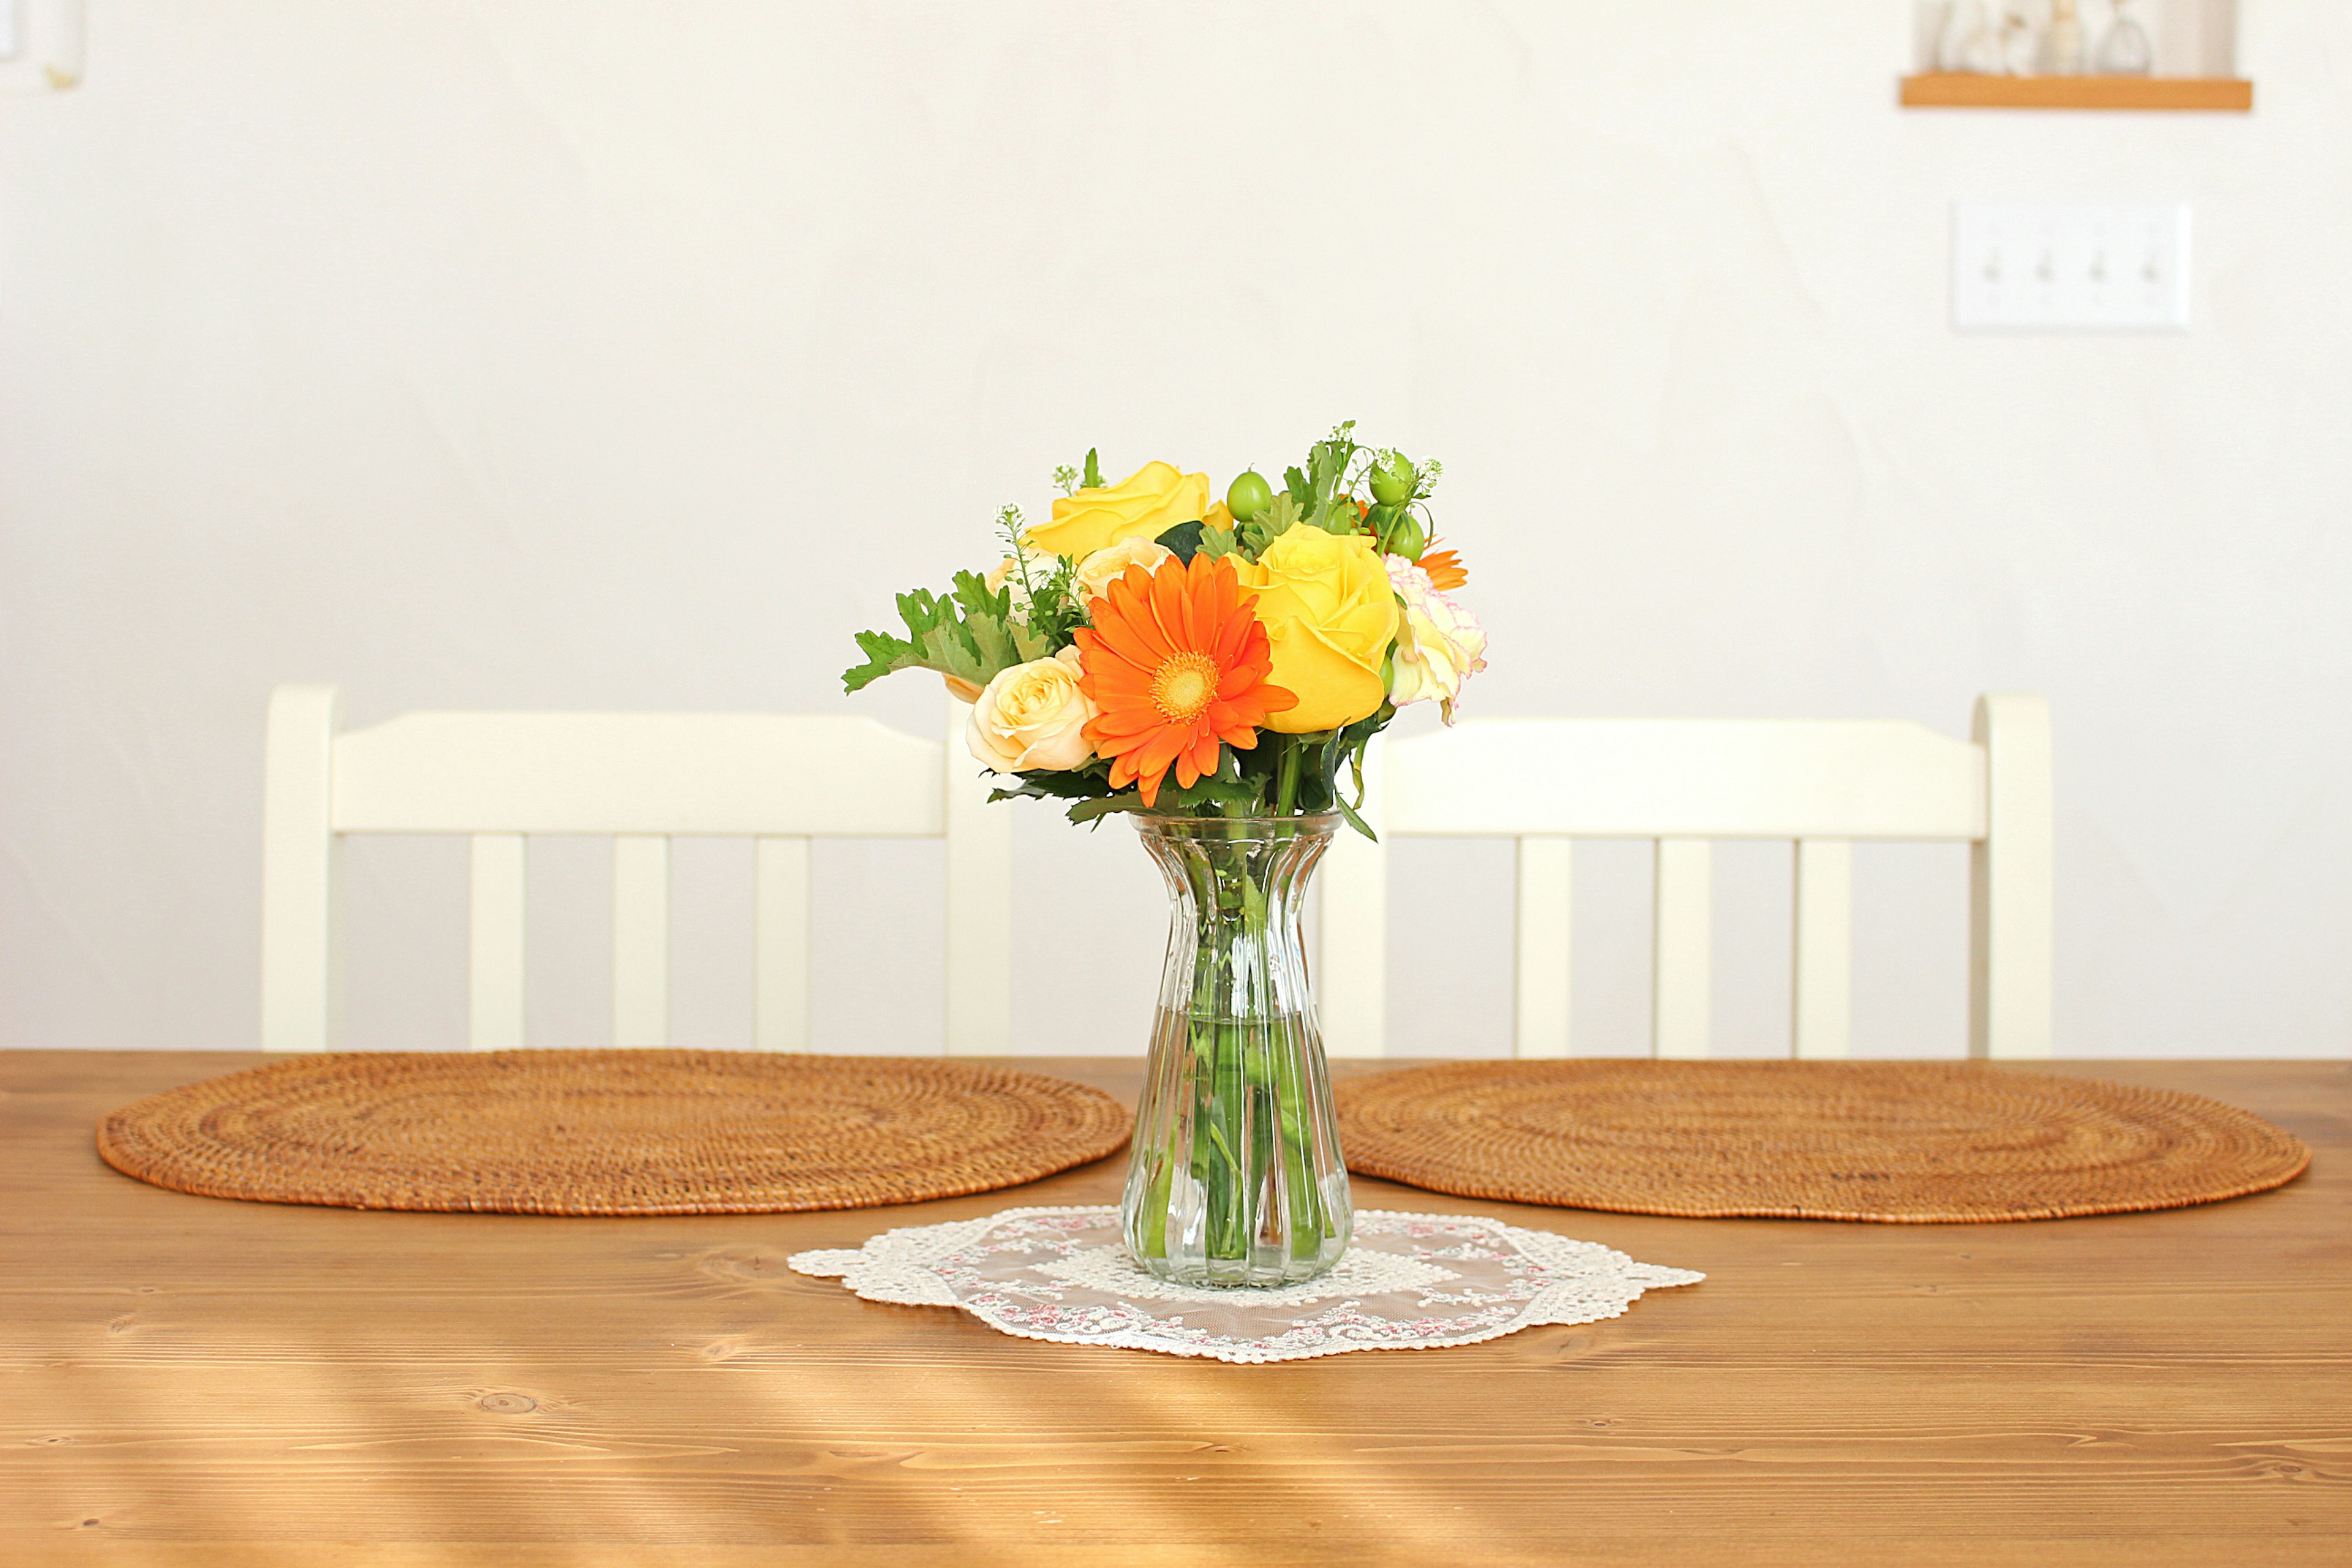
{"x":1444,"y":567}
{"x":1177,"y":661}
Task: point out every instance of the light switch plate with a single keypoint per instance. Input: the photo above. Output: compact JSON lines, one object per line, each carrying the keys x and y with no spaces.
{"x":2070,"y":266}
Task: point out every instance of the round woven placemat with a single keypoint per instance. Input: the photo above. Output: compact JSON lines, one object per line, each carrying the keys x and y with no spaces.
{"x":611,"y":1133}
{"x":1902,"y":1142}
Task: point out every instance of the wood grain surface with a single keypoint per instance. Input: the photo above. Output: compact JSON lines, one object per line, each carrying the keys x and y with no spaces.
{"x":186,"y":1380}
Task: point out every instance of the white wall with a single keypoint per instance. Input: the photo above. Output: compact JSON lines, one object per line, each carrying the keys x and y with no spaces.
{"x":597,"y":355}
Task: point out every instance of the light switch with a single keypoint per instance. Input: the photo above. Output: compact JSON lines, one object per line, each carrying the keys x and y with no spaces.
{"x":2070,"y":266}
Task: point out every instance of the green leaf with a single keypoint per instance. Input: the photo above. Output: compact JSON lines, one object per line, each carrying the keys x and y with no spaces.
{"x":1218,"y":542}
{"x":1094,"y":480}
{"x":1105,"y":805}
{"x":1059,"y":784}
{"x":1184,"y":539}
{"x":970,"y":635}
{"x":1277,"y":519}
{"x":883,"y":655}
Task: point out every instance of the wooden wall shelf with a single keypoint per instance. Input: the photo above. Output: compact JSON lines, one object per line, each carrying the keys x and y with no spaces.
{"x":1948,"y":89}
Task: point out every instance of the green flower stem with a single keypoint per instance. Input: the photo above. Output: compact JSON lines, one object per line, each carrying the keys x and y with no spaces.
{"x":1248,"y":1110}
{"x":1232,"y":1176}
{"x":1285,"y":797}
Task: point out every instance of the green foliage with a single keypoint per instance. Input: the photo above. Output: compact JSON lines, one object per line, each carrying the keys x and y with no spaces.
{"x":970,"y":634}
{"x":1270,"y":525}
{"x":1049,"y":585}
{"x":975,"y":631}
{"x":1219,"y":542}
{"x":1090,"y":781}
{"x":1184,"y":539}
{"x":1330,"y":478}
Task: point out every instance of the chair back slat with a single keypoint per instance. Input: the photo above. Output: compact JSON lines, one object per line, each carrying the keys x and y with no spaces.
{"x":979,"y":916}
{"x":1681,"y":988}
{"x":301,"y":875}
{"x":1821,"y":981}
{"x":1682,"y":783}
{"x":1540,"y":968}
{"x":781,"y":944}
{"x":640,"y":940}
{"x":2009,"y":883}
{"x":494,"y":969}
{"x":641,"y":779}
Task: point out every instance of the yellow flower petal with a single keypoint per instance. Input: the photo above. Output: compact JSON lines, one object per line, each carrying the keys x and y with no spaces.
{"x":1144,"y":505}
{"x":1332,"y":685}
{"x":1330,"y":614}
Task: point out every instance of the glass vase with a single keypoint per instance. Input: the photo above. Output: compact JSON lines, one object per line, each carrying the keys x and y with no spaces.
{"x":1235,"y":1177}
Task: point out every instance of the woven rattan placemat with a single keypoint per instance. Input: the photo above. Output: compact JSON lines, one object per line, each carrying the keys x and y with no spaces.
{"x":1903,"y":1143}
{"x":611,"y":1133}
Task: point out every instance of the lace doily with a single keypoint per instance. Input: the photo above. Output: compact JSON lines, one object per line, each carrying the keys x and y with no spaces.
{"x":1409,"y":1281}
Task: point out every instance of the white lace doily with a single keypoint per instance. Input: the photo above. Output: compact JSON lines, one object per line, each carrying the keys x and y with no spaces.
{"x":1409,"y":1281}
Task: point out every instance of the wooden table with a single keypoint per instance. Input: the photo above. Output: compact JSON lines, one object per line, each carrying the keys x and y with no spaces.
{"x":190,"y":1381}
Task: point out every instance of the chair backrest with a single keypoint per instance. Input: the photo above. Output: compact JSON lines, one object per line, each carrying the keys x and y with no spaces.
{"x":641,"y":779}
{"x":1681,"y":782}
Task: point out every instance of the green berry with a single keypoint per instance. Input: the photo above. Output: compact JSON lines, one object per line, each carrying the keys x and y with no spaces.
{"x":1406,"y":538}
{"x":1248,"y":497}
{"x":1394,"y":481}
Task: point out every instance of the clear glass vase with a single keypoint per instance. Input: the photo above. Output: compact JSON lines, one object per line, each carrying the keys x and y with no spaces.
{"x":1235,"y":1176}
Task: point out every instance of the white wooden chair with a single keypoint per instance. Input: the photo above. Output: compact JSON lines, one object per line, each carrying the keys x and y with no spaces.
{"x":642,"y":779}
{"x":1824,"y":785}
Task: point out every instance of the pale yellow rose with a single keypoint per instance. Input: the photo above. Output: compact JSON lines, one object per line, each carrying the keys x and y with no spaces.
{"x":1329,"y":615}
{"x":1440,"y":645}
{"x":1144,"y":505}
{"x":1030,"y":718}
{"x":1105,"y":566}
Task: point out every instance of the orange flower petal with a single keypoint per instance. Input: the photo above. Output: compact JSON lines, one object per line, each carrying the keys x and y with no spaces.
{"x":1196,"y":615}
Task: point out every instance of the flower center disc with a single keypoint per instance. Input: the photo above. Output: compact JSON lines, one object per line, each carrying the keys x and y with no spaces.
{"x":1184,"y":685}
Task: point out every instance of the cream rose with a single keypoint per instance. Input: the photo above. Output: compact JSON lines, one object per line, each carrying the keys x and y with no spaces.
{"x":1030,"y":718}
{"x":1440,"y":645}
{"x":1097,"y":572}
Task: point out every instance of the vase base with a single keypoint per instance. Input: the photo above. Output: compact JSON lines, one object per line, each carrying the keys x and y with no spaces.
{"x":1236,"y":1274}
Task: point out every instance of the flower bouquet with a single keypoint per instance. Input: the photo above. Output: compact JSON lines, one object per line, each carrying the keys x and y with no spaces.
{"x":1250,"y":647}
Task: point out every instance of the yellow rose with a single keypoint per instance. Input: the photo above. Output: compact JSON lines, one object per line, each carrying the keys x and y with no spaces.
{"x":1330,"y":614}
{"x":1031,"y":717}
{"x":1105,"y":566}
{"x":1144,"y":505}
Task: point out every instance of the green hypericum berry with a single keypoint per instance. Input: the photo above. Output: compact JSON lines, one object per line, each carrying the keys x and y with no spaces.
{"x":1406,"y":539}
{"x":1248,"y":496}
{"x":1392,"y":482}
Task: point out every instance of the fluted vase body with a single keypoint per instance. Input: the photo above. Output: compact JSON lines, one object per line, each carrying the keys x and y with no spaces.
{"x":1235,"y":1177}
